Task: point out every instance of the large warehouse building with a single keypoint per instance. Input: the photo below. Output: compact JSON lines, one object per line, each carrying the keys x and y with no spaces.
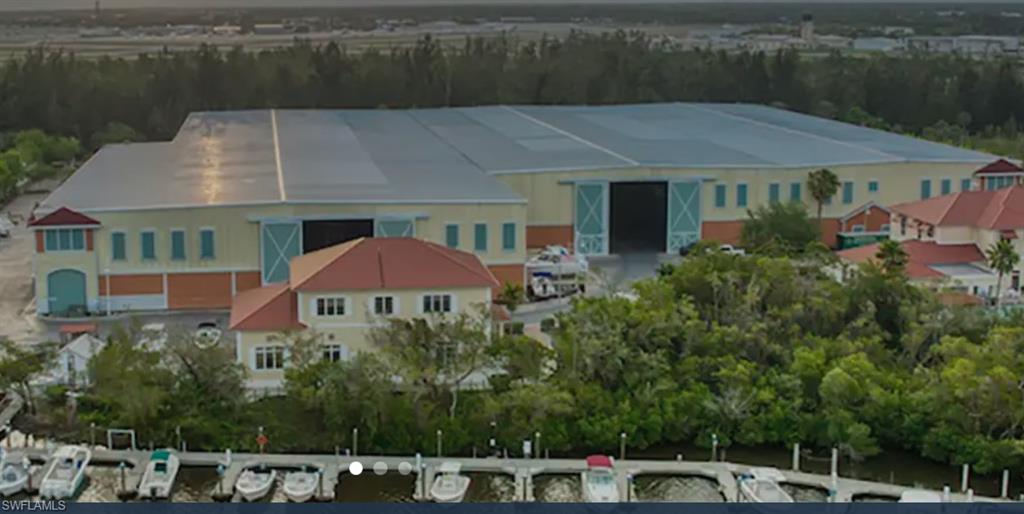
{"x":227,"y":204}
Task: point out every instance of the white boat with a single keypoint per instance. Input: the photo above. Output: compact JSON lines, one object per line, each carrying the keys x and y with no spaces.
{"x":158,"y":478}
{"x":13,"y":475}
{"x":449,"y":486}
{"x":557,"y":261}
{"x":300,"y":485}
{"x":255,"y":482}
{"x":66,"y":473}
{"x":761,"y":485}
{"x":598,"y":481}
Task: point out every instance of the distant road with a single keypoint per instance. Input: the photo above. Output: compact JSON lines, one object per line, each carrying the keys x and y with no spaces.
{"x":42,"y":5}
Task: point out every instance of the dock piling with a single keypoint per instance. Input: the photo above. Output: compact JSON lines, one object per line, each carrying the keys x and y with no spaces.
{"x":440,"y":434}
{"x":965,"y":476}
{"x":714,"y":446}
{"x":835,"y":464}
{"x":945,"y":493}
{"x":970,"y":495}
{"x":1004,"y":491}
{"x":355,"y":441}
{"x":622,"y":446}
{"x":796,"y":456}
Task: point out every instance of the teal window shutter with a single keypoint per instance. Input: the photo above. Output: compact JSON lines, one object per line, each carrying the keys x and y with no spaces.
{"x":847,"y":192}
{"x":795,"y":192}
{"x":177,"y":245}
{"x":773,"y":192}
{"x":926,"y":189}
{"x":873,"y":186}
{"x":508,"y":236}
{"x":947,"y":186}
{"x":480,"y":237}
{"x":720,"y":195}
{"x":52,"y":241}
{"x":147,"y":242}
{"x":741,"y":195}
{"x":451,"y":235}
{"x":117,"y":246}
{"x":207,"y":247}
{"x":965,"y":184}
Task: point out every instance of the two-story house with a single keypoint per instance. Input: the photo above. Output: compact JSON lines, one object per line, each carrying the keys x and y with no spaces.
{"x":343,"y":291}
{"x":946,"y":237}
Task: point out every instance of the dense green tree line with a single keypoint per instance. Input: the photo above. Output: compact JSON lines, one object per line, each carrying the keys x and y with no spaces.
{"x":758,"y":350}
{"x":149,"y":96}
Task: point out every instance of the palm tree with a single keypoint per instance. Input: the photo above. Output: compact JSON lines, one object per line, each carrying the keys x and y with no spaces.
{"x":1003,"y":258}
{"x":892,"y":256}
{"x":822,"y":184}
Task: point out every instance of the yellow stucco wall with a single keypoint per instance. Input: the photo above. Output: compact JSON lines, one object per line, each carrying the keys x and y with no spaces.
{"x":551,"y":198}
{"x":352,"y":329}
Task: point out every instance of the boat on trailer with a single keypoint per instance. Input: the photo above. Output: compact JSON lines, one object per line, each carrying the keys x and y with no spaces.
{"x":761,"y":485}
{"x":158,"y":479}
{"x":449,"y":486}
{"x":599,"y":480}
{"x":66,"y":473}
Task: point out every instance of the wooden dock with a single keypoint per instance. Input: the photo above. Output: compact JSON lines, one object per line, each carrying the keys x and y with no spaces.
{"x":522,"y":471}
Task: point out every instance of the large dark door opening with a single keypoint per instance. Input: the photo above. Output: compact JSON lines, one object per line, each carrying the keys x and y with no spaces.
{"x":638,"y":217}
{"x":321,"y":234}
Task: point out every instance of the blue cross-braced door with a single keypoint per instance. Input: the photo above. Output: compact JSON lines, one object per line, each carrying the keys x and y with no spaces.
{"x":683,"y":214}
{"x":280,"y":242}
{"x":394,"y":228}
{"x":591,"y":218}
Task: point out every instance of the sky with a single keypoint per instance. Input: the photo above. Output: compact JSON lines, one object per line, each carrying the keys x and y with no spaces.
{"x":88,"y":4}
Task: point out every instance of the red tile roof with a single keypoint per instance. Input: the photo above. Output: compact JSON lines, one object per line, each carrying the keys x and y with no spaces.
{"x":1001,"y":209}
{"x":62,"y":217}
{"x":920,"y":256}
{"x":999,"y":166}
{"x":269,"y":308}
{"x":388,"y":263}
{"x":374,"y":263}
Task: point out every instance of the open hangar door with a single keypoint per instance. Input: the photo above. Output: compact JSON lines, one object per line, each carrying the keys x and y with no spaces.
{"x":638,"y":217}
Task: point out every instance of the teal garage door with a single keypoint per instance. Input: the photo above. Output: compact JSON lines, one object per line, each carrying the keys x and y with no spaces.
{"x":591,"y":218}
{"x":683,"y":214}
{"x":66,"y":292}
{"x":280,"y":242}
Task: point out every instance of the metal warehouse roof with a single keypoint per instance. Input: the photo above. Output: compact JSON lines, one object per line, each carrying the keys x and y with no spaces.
{"x":446,"y":155}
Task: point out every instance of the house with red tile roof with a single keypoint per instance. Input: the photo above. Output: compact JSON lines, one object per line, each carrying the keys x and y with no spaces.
{"x":343,"y":291}
{"x":946,"y":237}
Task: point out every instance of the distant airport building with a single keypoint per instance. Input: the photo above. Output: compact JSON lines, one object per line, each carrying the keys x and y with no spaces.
{"x":235,"y":197}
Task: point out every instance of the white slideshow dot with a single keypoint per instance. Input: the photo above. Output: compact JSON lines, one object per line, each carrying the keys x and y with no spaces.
{"x":380,"y":468}
{"x":355,"y":468}
{"x":404,"y":468}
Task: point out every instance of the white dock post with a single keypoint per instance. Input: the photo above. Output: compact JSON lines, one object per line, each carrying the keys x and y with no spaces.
{"x":796,"y":456}
{"x":714,"y":447}
{"x":970,"y":495}
{"x":439,"y":436}
{"x":965,"y":477}
{"x":355,"y":441}
{"x":835,"y":464}
{"x":227,"y":457}
{"x":536,"y":444}
{"x":622,"y":446}
{"x":945,"y":494}
{"x":1005,"y":489}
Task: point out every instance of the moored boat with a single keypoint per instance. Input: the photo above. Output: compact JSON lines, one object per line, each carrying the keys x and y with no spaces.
{"x":300,"y":485}
{"x":158,"y":479}
{"x":66,"y":473}
{"x":255,"y":482}
{"x":598,"y":480}
{"x":13,"y":475}
{"x":449,"y":486}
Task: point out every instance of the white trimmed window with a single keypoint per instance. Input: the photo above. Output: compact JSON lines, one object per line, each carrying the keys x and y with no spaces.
{"x":437,"y":303}
{"x":268,"y":357}
{"x":335,"y":352}
{"x":330,"y":306}
{"x":383,"y":305}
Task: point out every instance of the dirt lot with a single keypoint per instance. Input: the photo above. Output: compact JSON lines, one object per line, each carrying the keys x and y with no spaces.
{"x":17,"y":320}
